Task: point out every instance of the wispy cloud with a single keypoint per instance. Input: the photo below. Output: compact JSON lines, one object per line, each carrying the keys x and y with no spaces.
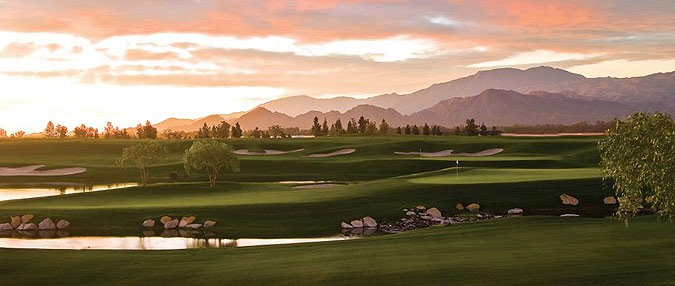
{"x":535,"y":57}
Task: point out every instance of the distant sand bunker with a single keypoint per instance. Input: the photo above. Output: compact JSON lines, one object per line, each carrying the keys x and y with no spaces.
{"x":265,"y":152}
{"x":446,"y":153}
{"x":331,"y":154}
{"x":32,"y":171}
{"x":317,"y":186}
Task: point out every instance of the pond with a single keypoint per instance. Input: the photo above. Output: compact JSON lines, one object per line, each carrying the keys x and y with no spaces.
{"x":35,"y":190}
{"x":150,"y":243}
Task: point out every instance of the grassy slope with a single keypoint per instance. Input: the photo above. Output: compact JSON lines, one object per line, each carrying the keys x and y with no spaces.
{"x":517,"y":251}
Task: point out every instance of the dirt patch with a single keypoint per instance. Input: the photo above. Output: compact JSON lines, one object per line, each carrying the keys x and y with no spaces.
{"x":265,"y":152}
{"x":32,"y":171}
{"x":331,"y":154}
{"x":447,"y":153}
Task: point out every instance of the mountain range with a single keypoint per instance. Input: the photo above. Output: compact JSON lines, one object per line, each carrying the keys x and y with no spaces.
{"x":507,"y":96}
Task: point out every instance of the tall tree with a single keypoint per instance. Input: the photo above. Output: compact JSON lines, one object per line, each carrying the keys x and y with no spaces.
{"x":3,"y":133}
{"x":338,"y":127}
{"x":143,"y":155}
{"x":236,"y":131}
{"x":415,"y":130}
{"x":408,"y":130}
{"x":426,"y":130}
{"x":276,"y":131}
{"x":49,"y":130}
{"x":204,"y":132}
{"x":398,"y":130}
{"x":483,"y":129}
{"x":61,"y":131}
{"x":324,"y":127}
{"x":371,"y":129}
{"x":471,"y":129}
{"x":384,"y":127}
{"x":362,"y":124}
{"x":638,"y":157}
{"x":211,"y":156}
{"x":316,"y":127}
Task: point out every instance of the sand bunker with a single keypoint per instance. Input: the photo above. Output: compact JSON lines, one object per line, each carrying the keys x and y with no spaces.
{"x":265,"y":152}
{"x":446,"y":153}
{"x":317,"y":186}
{"x":331,"y":154}
{"x":32,"y":171}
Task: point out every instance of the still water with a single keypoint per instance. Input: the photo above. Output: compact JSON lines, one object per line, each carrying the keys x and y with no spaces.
{"x":35,"y":190}
{"x":150,"y":243}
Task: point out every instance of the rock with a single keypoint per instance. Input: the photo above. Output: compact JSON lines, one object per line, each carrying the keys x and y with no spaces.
{"x":611,"y":200}
{"x":434,"y":213}
{"x":47,"y":224}
{"x":171,"y":224}
{"x":356,"y":223}
{"x":26,"y":218}
{"x":436,"y":220}
{"x":516,"y":211}
{"x":569,"y":200}
{"x":405,"y":210}
{"x":27,"y":226}
{"x":345,"y":225}
{"x":193,"y":226}
{"x":474,"y":207}
{"x":62,"y":224}
{"x":459,"y":207}
{"x":15,"y":221}
{"x":569,"y":215}
{"x":186,"y":220}
{"x":6,"y":227}
{"x":369,"y":222}
{"x":410,"y":213}
{"x":479,"y":216}
{"x":426,"y":217}
{"x":209,"y":224}
{"x":149,"y":223}
{"x":165,"y":219}
{"x":421,"y":208}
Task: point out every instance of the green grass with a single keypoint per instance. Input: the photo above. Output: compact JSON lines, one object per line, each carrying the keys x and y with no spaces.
{"x":516,"y":251}
{"x":531,"y":174}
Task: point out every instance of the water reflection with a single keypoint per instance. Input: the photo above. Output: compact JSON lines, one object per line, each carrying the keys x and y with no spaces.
{"x":35,"y":190}
{"x":149,"y":243}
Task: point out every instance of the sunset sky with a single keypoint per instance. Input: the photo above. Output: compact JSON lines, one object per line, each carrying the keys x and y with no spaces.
{"x":83,"y":61}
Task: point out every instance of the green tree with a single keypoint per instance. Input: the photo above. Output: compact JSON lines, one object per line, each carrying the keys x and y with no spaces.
{"x":471,"y":129}
{"x":221,"y":130}
{"x":316,"y":127}
{"x":483,"y":129}
{"x":236,"y":131}
{"x":338,"y":127}
{"x":324,"y":127}
{"x":371,"y":129}
{"x":638,"y":157}
{"x":211,"y":156}
{"x":458,"y":131}
{"x":362,"y":124}
{"x":398,"y":130}
{"x":143,"y":155}
{"x":276,"y":131}
{"x":204,"y":132}
{"x":415,"y":130}
{"x":384,"y":127}
{"x":426,"y":130}
{"x":408,"y":130}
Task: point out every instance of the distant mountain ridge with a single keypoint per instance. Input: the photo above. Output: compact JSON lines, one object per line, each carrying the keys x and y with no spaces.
{"x":654,"y":92}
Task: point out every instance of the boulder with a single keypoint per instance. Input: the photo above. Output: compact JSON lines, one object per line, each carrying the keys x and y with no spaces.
{"x":6,"y":227}
{"x":473,"y":207}
{"x":26,"y":218}
{"x":405,"y":210}
{"x":171,"y":224}
{"x":611,"y":200}
{"x":165,"y":219}
{"x":149,"y":223}
{"x":27,"y":226}
{"x":369,"y":222}
{"x":436,"y":220}
{"x":410,"y":213}
{"x":15,"y":221}
{"x":345,"y":225}
{"x":209,"y":224}
{"x":569,"y":215}
{"x":516,"y":211}
{"x":47,"y":224}
{"x":426,"y":217}
{"x":434,"y":213}
{"x":193,"y":226}
{"x":459,"y":207}
{"x":569,"y":200}
{"x":186,"y":220}
{"x":62,"y":224}
{"x":356,"y":223}
{"x":421,"y":208}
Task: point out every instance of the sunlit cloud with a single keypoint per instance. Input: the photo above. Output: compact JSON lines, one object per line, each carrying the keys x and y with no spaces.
{"x":625,"y":68}
{"x":443,"y":21}
{"x":535,"y":57}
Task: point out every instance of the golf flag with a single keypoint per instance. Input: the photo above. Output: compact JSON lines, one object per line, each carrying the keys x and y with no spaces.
{"x":457,"y":162}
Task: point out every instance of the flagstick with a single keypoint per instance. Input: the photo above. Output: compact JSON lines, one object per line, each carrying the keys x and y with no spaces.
{"x":457,"y":169}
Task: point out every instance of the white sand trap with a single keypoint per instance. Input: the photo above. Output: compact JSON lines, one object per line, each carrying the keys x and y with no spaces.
{"x":32,"y":171}
{"x":265,"y":152}
{"x":317,"y":186}
{"x":446,"y":153}
{"x":331,"y":154}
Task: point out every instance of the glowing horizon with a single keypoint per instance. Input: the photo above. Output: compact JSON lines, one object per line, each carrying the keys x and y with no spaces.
{"x":80,"y":61}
